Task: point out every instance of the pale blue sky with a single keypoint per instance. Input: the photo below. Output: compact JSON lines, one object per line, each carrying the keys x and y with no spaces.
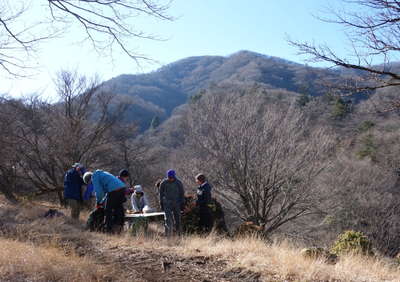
{"x":202,"y":27}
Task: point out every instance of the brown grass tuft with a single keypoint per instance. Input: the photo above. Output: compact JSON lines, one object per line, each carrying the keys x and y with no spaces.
{"x":282,"y":261}
{"x":286,"y":261}
{"x":26,"y":262}
{"x":49,"y":249}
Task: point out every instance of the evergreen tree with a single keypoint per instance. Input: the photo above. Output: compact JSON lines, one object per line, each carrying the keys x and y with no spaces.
{"x":155,"y":122}
{"x":302,"y":100}
{"x":196,"y":97}
{"x":340,"y":108}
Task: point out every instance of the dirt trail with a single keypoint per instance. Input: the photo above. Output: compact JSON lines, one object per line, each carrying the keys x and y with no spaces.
{"x":125,"y":262}
{"x":144,"y":264}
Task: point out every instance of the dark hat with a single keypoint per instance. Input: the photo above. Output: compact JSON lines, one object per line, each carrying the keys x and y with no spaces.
{"x":123,"y":173}
{"x":171,"y":173}
{"x":80,"y":167}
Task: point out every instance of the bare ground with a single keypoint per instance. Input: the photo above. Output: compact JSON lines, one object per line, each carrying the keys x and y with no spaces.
{"x":123,"y":261}
{"x":152,"y":265}
{"x":99,"y":257}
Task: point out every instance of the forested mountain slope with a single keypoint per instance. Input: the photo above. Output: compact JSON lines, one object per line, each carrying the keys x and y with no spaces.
{"x":158,"y":93}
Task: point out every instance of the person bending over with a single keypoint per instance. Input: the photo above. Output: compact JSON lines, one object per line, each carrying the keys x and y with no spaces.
{"x":106,"y":183}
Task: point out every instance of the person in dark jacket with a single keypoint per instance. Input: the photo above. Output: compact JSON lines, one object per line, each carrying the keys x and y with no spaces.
{"x":203,"y":203}
{"x":73,"y":183}
{"x":109,"y":187}
{"x":124,"y":177}
{"x":172,"y":196}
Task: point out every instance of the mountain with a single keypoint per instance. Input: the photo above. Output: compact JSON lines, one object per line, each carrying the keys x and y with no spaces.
{"x":158,"y":93}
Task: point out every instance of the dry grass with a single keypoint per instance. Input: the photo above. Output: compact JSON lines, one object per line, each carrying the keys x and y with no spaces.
{"x":25,"y":262}
{"x":287,"y":262}
{"x":281,"y":260}
{"x":40,"y":254}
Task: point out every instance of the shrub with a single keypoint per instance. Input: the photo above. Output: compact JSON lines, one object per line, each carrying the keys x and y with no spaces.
{"x":249,"y":228}
{"x":190,"y":218}
{"x":319,"y":253}
{"x":196,"y":97}
{"x":368,"y":149}
{"x":397,"y":259}
{"x":340,"y":109}
{"x":365,"y":126}
{"x":352,"y":242}
{"x":303,"y":100}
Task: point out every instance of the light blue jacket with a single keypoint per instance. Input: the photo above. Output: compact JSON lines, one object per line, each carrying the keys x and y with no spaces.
{"x":104,"y":182}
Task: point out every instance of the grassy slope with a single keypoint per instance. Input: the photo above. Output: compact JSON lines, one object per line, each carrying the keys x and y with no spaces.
{"x":37,"y":249}
{"x":21,"y":261}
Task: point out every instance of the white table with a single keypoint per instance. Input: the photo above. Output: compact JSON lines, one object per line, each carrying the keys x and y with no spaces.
{"x":131,"y":218}
{"x":150,"y":214}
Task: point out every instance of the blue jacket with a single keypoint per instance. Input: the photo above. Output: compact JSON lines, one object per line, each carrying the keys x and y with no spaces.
{"x":203,"y":195}
{"x":88,"y":192}
{"x":73,"y":185}
{"x":104,"y":182}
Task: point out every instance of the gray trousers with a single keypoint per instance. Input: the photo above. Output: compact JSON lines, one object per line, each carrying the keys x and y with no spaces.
{"x":172,"y":220}
{"x":75,"y":207}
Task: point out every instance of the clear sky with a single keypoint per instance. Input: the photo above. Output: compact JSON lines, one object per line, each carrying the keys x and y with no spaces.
{"x":201,"y":27}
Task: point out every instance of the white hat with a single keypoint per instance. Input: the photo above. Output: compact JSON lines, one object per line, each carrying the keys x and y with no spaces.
{"x":87,"y":177}
{"x":75,"y":165}
{"x":138,"y":189}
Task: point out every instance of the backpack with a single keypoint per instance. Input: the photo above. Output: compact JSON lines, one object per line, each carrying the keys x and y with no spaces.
{"x":53,"y":213}
{"x":95,"y":221}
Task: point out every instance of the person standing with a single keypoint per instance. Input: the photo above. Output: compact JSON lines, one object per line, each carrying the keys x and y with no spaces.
{"x":73,"y":183}
{"x":172,"y":196}
{"x":106,"y":184}
{"x":124,"y":176}
{"x":203,"y":204}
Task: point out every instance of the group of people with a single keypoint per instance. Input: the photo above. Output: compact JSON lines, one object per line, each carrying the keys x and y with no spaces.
{"x":111,"y":193}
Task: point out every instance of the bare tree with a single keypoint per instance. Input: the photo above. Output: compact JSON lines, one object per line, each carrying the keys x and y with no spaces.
{"x":262,"y":158}
{"x":373,"y":31}
{"x":364,"y":196}
{"x":52,"y":137}
{"x":141,"y":158}
{"x":8,"y":160}
{"x":130,"y":153}
{"x":106,"y":24}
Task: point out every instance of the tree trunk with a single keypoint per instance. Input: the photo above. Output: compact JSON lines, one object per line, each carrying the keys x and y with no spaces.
{"x":9,"y":195}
